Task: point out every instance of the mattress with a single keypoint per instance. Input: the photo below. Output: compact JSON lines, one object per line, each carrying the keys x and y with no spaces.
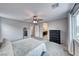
{"x":29,"y":47}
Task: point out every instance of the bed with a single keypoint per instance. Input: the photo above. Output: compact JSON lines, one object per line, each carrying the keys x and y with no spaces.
{"x":28,"y":47}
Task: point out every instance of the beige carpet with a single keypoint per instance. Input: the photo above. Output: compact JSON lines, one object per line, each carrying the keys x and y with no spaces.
{"x":54,"y":49}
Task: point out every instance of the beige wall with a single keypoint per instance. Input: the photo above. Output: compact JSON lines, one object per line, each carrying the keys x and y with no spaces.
{"x":12,"y":29}
{"x":60,"y":25}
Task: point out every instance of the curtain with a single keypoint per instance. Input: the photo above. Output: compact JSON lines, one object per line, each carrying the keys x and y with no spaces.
{"x":70,"y":35}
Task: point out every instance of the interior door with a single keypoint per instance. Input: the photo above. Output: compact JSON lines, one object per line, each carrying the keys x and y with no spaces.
{"x":37,"y":31}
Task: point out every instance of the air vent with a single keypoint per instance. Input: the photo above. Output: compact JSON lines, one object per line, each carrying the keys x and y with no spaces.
{"x":55,"y":5}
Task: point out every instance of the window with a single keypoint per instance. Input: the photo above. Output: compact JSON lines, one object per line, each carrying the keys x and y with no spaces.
{"x":77,"y":25}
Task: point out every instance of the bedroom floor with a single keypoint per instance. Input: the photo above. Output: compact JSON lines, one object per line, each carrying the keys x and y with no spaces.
{"x":54,"y":49}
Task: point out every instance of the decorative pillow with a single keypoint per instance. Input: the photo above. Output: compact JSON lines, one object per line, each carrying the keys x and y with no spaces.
{"x":6,"y":48}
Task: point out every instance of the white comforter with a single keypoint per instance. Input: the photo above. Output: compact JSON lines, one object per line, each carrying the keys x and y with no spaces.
{"x":28,"y":47}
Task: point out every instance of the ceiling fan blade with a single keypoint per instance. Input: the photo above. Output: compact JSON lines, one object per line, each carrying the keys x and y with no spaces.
{"x":40,"y":19}
{"x":28,"y":20}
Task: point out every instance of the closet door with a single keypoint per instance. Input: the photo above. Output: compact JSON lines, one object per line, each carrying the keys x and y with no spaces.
{"x":37,"y":32}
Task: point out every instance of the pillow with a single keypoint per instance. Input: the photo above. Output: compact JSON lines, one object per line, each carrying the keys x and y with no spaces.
{"x":6,"y":48}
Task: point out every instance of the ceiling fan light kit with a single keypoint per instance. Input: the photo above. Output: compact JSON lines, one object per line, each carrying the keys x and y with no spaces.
{"x":34,"y":22}
{"x":35,"y":19}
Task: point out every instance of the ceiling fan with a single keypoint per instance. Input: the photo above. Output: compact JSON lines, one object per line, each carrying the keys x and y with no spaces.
{"x":35,"y":17}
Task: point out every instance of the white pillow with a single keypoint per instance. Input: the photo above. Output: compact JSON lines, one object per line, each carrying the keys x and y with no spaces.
{"x":6,"y":48}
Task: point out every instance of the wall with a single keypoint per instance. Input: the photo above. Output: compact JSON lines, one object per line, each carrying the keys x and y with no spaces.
{"x":0,"y":29}
{"x":60,"y":25}
{"x":12,"y":29}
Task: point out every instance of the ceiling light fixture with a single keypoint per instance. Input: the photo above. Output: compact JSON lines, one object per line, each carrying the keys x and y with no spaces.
{"x":35,"y":19}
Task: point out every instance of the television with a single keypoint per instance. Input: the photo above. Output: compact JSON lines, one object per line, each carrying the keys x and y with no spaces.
{"x":44,"y":33}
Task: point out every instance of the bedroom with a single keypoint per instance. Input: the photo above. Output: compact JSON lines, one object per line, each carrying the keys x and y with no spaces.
{"x":23,"y":24}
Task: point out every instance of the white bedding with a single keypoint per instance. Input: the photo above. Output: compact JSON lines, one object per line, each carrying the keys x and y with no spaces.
{"x":30,"y":47}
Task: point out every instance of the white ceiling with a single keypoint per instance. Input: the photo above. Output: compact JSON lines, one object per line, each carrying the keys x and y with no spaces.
{"x":24,"y":11}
